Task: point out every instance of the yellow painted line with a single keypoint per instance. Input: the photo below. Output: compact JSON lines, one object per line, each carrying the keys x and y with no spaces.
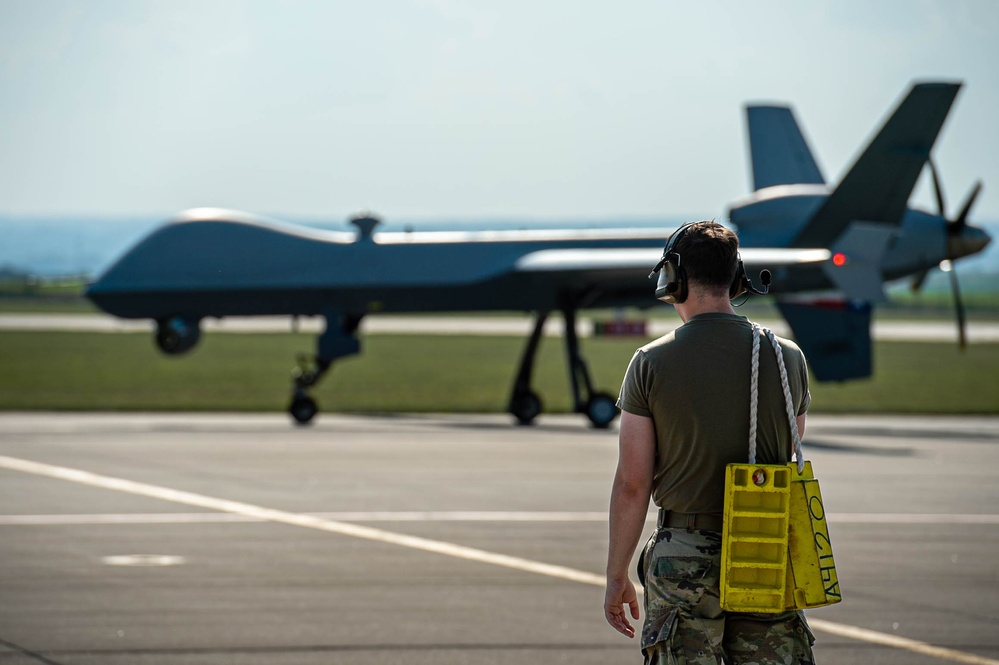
{"x":428,"y":545}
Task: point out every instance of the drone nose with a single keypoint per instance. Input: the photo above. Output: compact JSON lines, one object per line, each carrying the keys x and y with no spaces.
{"x":970,"y":240}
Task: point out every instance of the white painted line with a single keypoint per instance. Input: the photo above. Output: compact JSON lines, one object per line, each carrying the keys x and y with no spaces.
{"x":428,"y":545}
{"x":294,"y":519}
{"x":379,"y":516}
{"x":449,"y":516}
{"x":904,"y":643}
{"x":470,"y":516}
{"x":123,"y":518}
{"x":912,"y":518}
{"x":143,"y":560}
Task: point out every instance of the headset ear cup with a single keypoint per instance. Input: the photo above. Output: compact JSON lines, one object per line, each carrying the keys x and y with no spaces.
{"x":681,"y":285}
{"x":672,"y":286}
{"x":666,"y":285}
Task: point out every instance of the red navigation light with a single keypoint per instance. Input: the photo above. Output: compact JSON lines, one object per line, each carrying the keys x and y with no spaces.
{"x":839,"y":259}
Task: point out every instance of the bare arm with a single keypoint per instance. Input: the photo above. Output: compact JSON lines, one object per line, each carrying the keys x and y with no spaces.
{"x":628,"y":507}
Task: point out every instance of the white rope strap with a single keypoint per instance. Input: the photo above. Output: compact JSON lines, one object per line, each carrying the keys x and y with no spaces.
{"x":788,"y":404}
{"x":754,"y":393}
{"x":754,"y":396}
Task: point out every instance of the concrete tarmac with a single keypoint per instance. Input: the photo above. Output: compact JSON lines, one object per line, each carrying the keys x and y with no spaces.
{"x":216,"y":538}
{"x":978,"y":332}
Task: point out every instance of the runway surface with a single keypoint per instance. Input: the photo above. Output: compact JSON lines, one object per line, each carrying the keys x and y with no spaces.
{"x":219,"y":538}
{"x":934,"y":331}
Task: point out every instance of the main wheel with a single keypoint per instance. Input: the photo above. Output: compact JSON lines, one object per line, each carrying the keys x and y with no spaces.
{"x":601,"y":410}
{"x":303,"y":409}
{"x":525,"y":406}
{"x":176,"y":335}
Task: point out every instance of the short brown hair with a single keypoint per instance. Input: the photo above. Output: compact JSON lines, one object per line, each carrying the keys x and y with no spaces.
{"x":709,"y":253}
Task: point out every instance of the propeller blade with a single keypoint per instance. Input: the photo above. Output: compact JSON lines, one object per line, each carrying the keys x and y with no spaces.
{"x":962,"y":217}
{"x":962,"y":339}
{"x":937,"y":189}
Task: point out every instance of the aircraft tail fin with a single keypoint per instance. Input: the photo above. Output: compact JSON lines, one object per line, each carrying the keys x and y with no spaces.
{"x":835,"y":336}
{"x":876,"y":189}
{"x":778,"y":150}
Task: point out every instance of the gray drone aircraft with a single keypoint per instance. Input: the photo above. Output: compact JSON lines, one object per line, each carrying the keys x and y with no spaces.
{"x":816,"y":240}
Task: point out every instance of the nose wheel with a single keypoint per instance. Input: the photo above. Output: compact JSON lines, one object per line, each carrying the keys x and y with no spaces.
{"x":303,"y":409}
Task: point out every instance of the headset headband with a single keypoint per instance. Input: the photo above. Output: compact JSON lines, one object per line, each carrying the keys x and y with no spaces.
{"x":670,"y":243}
{"x":672,"y":283}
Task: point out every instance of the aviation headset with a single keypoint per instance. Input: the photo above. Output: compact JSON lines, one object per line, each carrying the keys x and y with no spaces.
{"x":672,"y":285}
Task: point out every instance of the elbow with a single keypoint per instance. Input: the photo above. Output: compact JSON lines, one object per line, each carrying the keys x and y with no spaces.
{"x":633,"y":489}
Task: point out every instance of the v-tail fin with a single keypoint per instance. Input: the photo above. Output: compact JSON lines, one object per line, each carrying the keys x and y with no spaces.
{"x":778,"y":150}
{"x":877,"y":188}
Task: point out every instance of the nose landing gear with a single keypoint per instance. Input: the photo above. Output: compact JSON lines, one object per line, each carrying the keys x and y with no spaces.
{"x":338,"y":340}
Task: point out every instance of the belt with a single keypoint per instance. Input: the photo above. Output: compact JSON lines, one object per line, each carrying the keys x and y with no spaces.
{"x":689,"y":521}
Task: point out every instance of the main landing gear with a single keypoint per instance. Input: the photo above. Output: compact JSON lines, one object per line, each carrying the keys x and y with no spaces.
{"x":525,"y":405}
{"x":338,"y":340}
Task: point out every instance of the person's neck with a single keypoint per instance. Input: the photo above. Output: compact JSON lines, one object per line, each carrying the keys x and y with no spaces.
{"x":702,"y":303}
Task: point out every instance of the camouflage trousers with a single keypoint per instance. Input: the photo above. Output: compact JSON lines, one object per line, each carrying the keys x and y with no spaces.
{"x":684,"y":622}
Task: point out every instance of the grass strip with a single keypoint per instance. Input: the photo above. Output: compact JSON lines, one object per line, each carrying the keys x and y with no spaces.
{"x":419,"y":373}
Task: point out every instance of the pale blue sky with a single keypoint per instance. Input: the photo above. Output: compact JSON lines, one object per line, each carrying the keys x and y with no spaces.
{"x":448,"y":109}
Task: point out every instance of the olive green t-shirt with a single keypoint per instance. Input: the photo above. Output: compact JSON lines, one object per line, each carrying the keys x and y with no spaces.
{"x":695,"y":385}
